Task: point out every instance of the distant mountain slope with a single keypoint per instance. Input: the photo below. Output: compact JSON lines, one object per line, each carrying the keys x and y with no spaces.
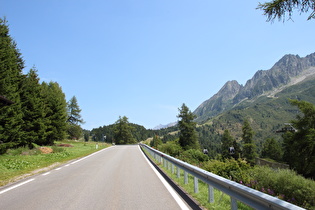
{"x":289,"y":70}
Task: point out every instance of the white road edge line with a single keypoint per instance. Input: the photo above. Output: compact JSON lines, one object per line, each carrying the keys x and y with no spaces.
{"x":76,"y":161}
{"x":166,"y":184}
{"x":15,"y":186}
{"x":45,"y":173}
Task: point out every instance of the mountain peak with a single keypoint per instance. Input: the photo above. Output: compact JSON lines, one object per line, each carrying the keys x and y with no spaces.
{"x":288,"y":67}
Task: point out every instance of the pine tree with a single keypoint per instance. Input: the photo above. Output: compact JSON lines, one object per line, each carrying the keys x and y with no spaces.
{"x":272,"y":149}
{"x":249,"y":147}
{"x":74,"y":119}
{"x":227,"y":143}
{"x":123,"y":131}
{"x":34,"y":121}
{"x":187,"y":135}
{"x":55,"y":106}
{"x":11,"y":66}
{"x":74,"y":116}
{"x":299,"y":146}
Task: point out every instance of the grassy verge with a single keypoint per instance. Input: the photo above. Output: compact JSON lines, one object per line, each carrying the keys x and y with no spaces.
{"x":22,"y":162}
{"x":221,"y":200}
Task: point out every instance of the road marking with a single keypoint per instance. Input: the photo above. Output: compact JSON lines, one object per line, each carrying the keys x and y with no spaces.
{"x":57,"y":169}
{"x":167,"y":185}
{"x":46,"y":173}
{"x":15,"y":186}
{"x":89,"y":155}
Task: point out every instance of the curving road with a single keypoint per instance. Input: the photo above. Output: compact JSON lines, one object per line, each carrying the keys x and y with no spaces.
{"x":117,"y":177}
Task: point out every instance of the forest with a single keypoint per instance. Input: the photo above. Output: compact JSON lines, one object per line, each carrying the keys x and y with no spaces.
{"x":31,"y":112}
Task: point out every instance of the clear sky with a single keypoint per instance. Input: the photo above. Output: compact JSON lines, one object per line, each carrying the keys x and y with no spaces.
{"x":144,"y":58}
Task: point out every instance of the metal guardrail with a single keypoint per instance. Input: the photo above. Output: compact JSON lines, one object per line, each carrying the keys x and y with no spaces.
{"x":237,"y":192}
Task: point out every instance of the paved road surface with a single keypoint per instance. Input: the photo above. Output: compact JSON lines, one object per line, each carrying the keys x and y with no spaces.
{"x":118,"y":177}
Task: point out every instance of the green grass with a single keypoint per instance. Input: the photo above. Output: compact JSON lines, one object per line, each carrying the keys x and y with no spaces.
{"x":21,"y":162}
{"x":221,"y":200}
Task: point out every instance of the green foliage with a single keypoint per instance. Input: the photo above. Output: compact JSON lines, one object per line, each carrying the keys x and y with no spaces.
{"x":74,"y":131}
{"x":272,"y":149}
{"x":172,"y":148}
{"x":37,"y":114}
{"x":56,"y":113}
{"x":123,"y":131}
{"x":193,"y":156}
{"x":187,"y":134}
{"x":299,"y":147}
{"x":11,"y":66}
{"x":280,"y":8}
{"x":74,"y":116}
{"x":209,"y":139}
{"x":16,"y":164}
{"x":285,"y":184}
{"x":33,"y":106}
{"x":249,"y":147}
{"x":156,"y":141}
{"x":229,"y":168}
{"x":227,"y":142}
{"x":74,"y":119}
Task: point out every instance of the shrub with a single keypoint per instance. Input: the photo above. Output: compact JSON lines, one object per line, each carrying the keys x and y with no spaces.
{"x":285,"y":184}
{"x":193,"y":156}
{"x":171,"y":147}
{"x":230,"y":168}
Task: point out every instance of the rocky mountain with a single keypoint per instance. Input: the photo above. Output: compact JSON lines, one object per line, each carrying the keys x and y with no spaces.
{"x":158,"y":127}
{"x":288,"y":71}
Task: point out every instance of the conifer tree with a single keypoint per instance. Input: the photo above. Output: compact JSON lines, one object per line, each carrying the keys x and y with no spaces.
{"x":249,"y":148}
{"x":74,"y":119}
{"x":299,"y":146}
{"x":187,"y":133}
{"x":34,"y":125}
{"x":11,"y":66}
{"x":227,"y":143}
{"x":55,"y":112}
{"x":123,"y":131}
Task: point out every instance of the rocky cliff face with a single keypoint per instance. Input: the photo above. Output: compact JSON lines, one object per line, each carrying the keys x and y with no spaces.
{"x":288,"y":67}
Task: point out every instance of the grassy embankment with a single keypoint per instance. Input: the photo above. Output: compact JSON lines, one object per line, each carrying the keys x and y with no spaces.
{"x":22,"y":162}
{"x":221,"y":200}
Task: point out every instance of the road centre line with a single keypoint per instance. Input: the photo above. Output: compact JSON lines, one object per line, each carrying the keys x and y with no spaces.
{"x":15,"y":186}
{"x":166,"y":184}
{"x":27,"y":181}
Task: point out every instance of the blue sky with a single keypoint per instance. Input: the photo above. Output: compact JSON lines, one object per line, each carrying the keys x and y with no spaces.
{"x":144,"y":59}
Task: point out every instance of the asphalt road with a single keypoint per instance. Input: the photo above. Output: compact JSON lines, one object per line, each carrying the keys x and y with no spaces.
{"x":118,"y":177}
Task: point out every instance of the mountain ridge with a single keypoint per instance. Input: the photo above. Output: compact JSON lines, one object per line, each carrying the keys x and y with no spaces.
{"x":289,"y":70}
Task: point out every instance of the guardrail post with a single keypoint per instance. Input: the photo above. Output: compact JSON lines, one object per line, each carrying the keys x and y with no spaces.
{"x":178,"y":172}
{"x":172,"y":168}
{"x":185,"y":177}
{"x":196,"y":188}
{"x":211,"y":194}
{"x":233,"y":203}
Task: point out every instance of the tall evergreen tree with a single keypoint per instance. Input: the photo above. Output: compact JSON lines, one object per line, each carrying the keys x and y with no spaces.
{"x":272,"y":149}
{"x":55,"y":112}
{"x":187,"y":133}
{"x":11,"y":66}
{"x":34,"y":125}
{"x":74,"y":116}
{"x":299,"y":147}
{"x":249,"y":148}
{"x":74,"y":119}
{"x":123,"y":131}
{"x":227,"y":143}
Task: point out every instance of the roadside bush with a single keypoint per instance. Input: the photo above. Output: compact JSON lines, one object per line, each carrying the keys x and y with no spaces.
{"x":285,"y":184}
{"x":193,"y":156}
{"x":230,"y":168}
{"x":172,"y":148}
